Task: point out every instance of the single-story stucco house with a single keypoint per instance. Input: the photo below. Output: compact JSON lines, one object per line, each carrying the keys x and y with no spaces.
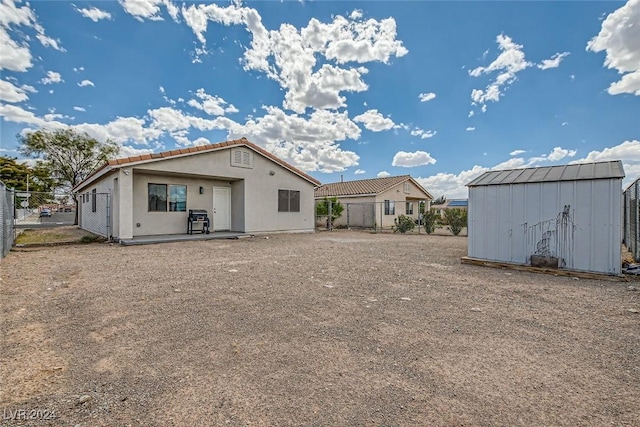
{"x":376,"y":201}
{"x":243,"y":188}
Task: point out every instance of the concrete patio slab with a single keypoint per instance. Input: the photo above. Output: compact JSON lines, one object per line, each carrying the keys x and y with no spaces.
{"x":166,"y":238}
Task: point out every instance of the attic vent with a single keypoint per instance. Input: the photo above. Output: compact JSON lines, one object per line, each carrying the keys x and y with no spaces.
{"x":241,"y":158}
{"x":407,"y":188}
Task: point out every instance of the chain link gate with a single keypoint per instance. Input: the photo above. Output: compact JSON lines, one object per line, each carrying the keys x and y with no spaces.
{"x":43,"y":209}
{"x":94,"y":213}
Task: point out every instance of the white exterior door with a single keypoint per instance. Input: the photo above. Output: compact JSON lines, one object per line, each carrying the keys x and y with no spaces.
{"x":221,"y":208}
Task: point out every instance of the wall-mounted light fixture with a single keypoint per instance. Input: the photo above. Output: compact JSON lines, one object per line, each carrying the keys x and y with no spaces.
{"x":126,"y":171}
{"x":272,"y":173}
{"x":201,"y":190}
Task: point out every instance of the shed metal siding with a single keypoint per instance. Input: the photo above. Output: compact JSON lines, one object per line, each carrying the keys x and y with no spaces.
{"x":579,"y":221}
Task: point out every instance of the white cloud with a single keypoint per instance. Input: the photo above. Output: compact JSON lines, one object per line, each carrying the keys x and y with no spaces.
{"x":424,"y":134}
{"x":212,"y":105}
{"x":510,"y":62}
{"x":383,"y":174}
{"x":78,"y":69}
{"x":94,"y":14}
{"x":356,"y":14}
{"x":409,"y":160}
{"x":374,"y":121}
{"x":52,"y":77}
{"x":147,"y":9}
{"x":553,"y":62}
{"x":290,"y":55}
{"x":565,"y":123}
{"x":80,"y":109}
{"x":308,"y":143}
{"x":453,"y":186}
{"x":559,"y":153}
{"x":471,"y":113}
{"x":128,"y":151}
{"x":627,"y":151}
{"x":449,"y":184}
{"x":47,"y":41}
{"x":15,"y":55}
{"x":425,"y":97}
{"x":619,"y":37}
{"x":359,"y":172}
{"x":470,"y":129}
{"x":86,"y":83}
{"x":11,"y":93}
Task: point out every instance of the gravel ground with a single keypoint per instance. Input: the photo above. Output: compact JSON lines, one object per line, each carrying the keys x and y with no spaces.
{"x":325,"y":329}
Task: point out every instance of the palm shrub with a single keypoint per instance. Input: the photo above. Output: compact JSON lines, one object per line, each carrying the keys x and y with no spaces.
{"x":403,"y":224}
{"x":457,"y":220}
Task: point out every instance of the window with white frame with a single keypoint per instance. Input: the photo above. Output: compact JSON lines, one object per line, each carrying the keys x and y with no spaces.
{"x":409,"y":209}
{"x":389,"y":207}
{"x":407,"y":187}
{"x":167,"y":197}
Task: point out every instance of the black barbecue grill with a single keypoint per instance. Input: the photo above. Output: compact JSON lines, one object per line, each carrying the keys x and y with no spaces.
{"x":198,"y":216}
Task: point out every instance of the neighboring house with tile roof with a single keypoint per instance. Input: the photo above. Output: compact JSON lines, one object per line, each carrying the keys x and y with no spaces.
{"x":377,"y":201}
{"x":243,"y":187}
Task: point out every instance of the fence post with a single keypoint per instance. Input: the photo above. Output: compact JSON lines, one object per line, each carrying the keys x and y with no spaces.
{"x":347,"y":216}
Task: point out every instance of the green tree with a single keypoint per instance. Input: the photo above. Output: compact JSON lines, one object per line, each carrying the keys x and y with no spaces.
{"x":16,"y":175}
{"x":457,"y":220}
{"x":69,"y":156}
{"x":430,"y":221}
{"x":322,"y":209}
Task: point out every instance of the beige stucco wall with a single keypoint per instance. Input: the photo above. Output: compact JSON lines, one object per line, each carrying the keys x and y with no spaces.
{"x":397,"y":194}
{"x":400,"y":197}
{"x":147,"y":223}
{"x":254,"y":194}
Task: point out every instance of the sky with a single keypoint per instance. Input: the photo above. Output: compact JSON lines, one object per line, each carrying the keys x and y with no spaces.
{"x":440,"y":90}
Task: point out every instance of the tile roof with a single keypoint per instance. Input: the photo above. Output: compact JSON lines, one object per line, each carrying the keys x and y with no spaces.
{"x":116,"y":163}
{"x":362,"y":187}
{"x":575,"y":172}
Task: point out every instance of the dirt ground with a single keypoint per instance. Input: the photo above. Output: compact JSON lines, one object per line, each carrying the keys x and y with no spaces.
{"x":327,"y":329}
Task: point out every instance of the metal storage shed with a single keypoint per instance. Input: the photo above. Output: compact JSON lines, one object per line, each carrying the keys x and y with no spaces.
{"x":566,"y":214}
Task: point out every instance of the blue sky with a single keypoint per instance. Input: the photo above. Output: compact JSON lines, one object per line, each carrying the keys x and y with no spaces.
{"x":440,"y":90}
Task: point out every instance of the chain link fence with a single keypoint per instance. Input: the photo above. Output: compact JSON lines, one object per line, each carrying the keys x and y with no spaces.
{"x":377,"y":216}
{"x":7,"y":233}
{"x":43,"y":209}
{"x":94,"y":213}
{"x":631,"y":232}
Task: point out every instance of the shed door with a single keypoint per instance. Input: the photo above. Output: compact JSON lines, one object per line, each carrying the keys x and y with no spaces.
{"x":221,"y":208}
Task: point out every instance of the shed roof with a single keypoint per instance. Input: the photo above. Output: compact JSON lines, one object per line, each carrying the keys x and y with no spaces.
{"x":365,"y":187}
{"x":574,"y":172}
